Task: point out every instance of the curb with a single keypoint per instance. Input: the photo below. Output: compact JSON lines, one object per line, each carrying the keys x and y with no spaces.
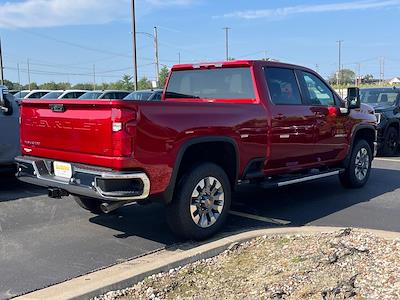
{"x":128,"y":273}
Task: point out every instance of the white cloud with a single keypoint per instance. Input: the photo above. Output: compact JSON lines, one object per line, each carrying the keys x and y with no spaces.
{"x":318,"y":8}
{"x":51,"y":13}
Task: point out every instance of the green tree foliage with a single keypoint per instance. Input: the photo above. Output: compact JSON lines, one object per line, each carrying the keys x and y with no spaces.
{"x":55,"y":85}
{"x":84,"y":86}
{"x":346,"y":76}
{"x":164,"y":72}
{"x":369,"y":78}
{"x":144,"y":84}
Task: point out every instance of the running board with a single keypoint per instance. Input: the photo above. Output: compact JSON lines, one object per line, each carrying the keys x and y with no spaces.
{"x":298,"y":179}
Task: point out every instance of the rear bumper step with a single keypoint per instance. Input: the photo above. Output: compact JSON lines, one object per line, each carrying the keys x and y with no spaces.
{"x":85,"y":181}
{"x":298,"y":179}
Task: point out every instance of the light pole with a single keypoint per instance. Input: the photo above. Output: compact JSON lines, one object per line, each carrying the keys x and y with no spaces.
{"x":156,"y":56}
{"x":134,"y":56}
{"x":157,"y":61}
{"x":338,"y":81}
{"x":227,"y":42}
{"x":1,"y":66}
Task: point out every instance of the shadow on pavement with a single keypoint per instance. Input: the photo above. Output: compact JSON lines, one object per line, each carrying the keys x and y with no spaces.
{"x":299,"y":204}
{"x":13,"y":189}
{"x":305,"y":203}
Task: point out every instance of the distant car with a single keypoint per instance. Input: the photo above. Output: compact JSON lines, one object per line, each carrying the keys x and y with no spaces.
{"x":68,"y":94}
{"x":21,"y":94}
{"x":34,"y":94}
{"x":108,"y":94}
{"x":386,"y":102}
{"x":117,"y":95}
{"x":91,"y":95}
{"x":149,"y":95}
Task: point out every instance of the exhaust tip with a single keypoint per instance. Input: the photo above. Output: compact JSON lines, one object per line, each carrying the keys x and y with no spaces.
{"x":110,"y":207}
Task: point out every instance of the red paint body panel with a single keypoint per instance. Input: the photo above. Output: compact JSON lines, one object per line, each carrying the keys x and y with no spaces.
{"x":154,"y":132}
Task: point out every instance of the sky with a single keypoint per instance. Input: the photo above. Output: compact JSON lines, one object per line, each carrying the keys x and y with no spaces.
{"x":71,"y":40}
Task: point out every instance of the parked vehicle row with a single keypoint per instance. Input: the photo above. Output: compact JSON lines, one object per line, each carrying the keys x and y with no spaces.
{"x":217,"y":126}
{"x":151,"y":95}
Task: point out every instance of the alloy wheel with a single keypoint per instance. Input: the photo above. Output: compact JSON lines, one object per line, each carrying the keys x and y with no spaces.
{"x":207,"y":202}
{"x":362,"y":162}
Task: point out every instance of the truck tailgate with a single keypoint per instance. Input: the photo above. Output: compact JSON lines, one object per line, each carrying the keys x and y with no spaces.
{"x":68,"y":126}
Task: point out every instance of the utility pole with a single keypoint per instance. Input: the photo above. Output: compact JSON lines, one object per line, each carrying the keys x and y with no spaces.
{"x":265,"y":55}
{"x":94,"y":77}
{"x":1,"y":66}
{"x":29,"y":74}
{"x":382,"y":70}
{"x":156,"y":57}
{"x":338,"y":81}
{"x":134,"y":56}
{"x":179,"y":57}
{"x":227,"y":42}
{"x":317,"y":68}
{"x":19,"y":77}
{"x":358,"y":74}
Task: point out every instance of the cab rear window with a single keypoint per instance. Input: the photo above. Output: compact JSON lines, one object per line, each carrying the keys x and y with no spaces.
{"x":221,"y":83}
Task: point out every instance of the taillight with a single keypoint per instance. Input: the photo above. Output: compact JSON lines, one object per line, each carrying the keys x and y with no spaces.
{"x":123,"y":131}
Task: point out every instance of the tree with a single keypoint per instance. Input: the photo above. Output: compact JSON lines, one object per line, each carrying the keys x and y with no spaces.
{"x":55,"y":85}
{"x":84,"y":86}
{"x":369,"y":78}
{"x":127,"y":83}
{"x":346,"y":76}
{"x":144,"y":84}
{"x":164,"y":72}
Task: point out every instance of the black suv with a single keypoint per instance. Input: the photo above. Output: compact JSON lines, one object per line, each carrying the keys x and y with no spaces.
{"x":386,"y":102}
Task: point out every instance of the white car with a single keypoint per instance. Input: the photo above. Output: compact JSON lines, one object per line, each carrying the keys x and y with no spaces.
{"x":34,"y":94}
{"x":68,"y":94}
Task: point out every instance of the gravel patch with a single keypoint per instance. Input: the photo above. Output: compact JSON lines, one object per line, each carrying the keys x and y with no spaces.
{"x":342,"y":265}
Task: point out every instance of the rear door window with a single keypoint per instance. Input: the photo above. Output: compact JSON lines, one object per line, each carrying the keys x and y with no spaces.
{"x":219,"y":83}
{"x":282,"y":86}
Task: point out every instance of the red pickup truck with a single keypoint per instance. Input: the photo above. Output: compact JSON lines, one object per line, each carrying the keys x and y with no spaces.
{"x":217,"y":126}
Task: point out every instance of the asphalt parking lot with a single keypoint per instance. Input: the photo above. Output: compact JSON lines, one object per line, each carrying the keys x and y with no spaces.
{"x":45,"y":241}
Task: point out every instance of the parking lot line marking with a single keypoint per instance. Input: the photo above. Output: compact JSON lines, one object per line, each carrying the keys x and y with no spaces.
{"x":387,"y":159}
{"x":259,"y":218}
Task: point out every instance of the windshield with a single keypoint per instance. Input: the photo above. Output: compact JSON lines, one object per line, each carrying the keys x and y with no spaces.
{"x":90,"y":95}
{"x":222,"y":83}
{"x":20,"y":95}
{"x":52,"y":95}
{"x":381,"y":96}
{"x":139,"y":96}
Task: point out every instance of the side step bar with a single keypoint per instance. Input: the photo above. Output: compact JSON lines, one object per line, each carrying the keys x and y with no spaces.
{"x":298,"y":179}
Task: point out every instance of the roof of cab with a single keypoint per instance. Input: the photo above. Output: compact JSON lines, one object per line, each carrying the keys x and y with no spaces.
{"x":234,"y":63}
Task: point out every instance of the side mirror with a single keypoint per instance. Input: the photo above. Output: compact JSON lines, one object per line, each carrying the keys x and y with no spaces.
{"x":4,"y":104}
{"x":353,"y":98}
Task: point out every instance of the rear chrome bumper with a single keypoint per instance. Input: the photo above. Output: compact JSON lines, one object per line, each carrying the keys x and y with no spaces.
{"x":89,"y":181}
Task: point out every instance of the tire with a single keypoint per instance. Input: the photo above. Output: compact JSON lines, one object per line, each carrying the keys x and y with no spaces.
{"x":200,"y":205}
{"x":90,"y":204}
{"x":391,"y":142}
{"x":359,"y":168}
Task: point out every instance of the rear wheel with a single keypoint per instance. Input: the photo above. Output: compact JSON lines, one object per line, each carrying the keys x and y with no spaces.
{"x":90,"y":204}
{"x":391,"y":142}
{"x":359,"y":168}
{"x":201,"y":202}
